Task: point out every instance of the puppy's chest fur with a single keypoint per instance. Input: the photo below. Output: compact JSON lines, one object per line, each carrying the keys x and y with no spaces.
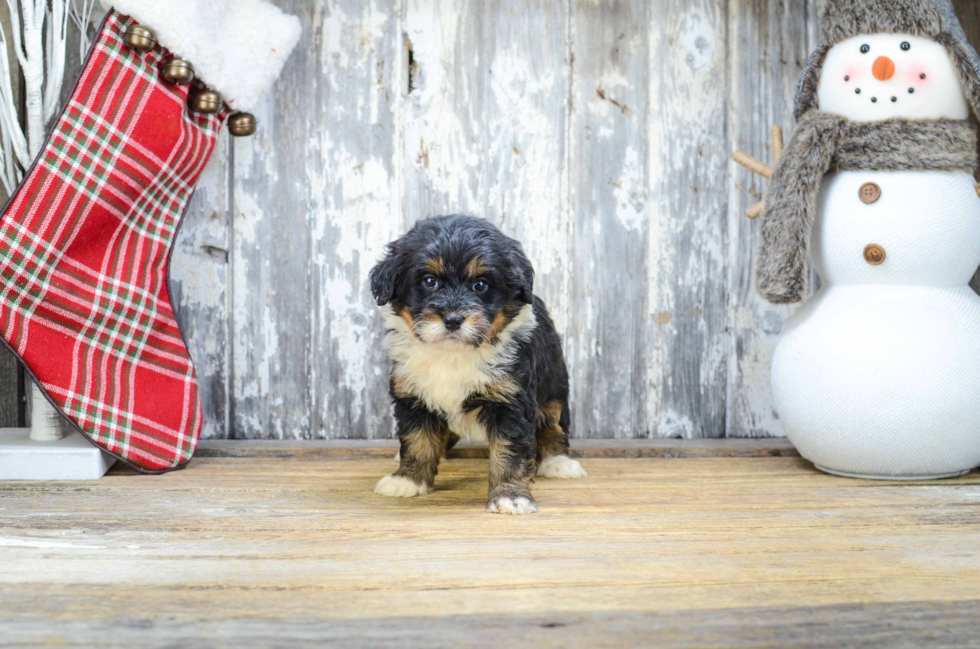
{"x":443,"y":378}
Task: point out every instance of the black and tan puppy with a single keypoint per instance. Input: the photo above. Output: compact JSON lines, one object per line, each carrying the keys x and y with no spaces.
{"x":474,"y":354}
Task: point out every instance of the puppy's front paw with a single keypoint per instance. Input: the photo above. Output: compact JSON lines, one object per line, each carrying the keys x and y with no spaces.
{"x":400,"y":487}
{"x":561,"y":466}
{"x":516,"y":505}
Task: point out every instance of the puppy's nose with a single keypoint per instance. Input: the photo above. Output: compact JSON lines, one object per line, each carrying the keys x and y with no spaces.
{"x":883,"y":68}
{"x":453,"y":321}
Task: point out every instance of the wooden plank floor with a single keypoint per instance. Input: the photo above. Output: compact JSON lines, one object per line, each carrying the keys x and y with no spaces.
{"x":290,"y":551}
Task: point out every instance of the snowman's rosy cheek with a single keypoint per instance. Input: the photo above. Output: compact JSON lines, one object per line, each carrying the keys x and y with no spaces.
{"x":918,"y":76}
{"x":852,"y":74}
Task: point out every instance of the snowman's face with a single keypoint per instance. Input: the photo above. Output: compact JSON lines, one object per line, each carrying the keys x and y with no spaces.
{"x":881,"y":76}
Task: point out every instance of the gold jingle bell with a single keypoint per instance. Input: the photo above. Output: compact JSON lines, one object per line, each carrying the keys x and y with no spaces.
{"x":177,"y":72}
{"x":241,"y":124}
{"x":140,"y":38}
{"x":206,"y":101}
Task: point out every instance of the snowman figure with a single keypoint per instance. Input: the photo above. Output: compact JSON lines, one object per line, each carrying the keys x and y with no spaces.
{"x":878,"y":374}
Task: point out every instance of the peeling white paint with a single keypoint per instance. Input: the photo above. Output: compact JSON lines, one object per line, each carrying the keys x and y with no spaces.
{"x":697,"y":43}
{"x":631,"y":192}
{"x":614,"y":176}
{"x":675,"y":425}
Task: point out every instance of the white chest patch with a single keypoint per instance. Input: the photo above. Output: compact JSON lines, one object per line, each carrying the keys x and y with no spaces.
{"x":467,"y":425}
{"x":444,"y":376}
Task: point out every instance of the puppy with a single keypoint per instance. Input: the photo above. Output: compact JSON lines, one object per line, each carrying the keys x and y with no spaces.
{"x":474,"y":354}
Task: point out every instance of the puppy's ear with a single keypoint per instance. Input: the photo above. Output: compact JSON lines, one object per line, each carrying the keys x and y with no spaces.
{"x":520,"y":273}
{"x":386,"y":275}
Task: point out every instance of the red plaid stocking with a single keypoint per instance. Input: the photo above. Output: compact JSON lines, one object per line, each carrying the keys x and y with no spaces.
{"x":84,"y":254}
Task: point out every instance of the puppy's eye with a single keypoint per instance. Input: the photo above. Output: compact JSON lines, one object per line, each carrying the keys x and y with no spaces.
{"x":480,"y":286}
{"x":865,"y":49}
{"x":906,"y":46}
{"x":430,"y":282}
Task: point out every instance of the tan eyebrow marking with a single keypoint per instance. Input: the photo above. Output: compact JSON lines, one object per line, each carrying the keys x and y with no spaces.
{"x":476,"y":267}
{"x":435,"y":266}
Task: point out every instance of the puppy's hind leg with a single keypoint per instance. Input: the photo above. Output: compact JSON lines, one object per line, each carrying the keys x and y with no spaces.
{"x":423,"y":442}
{"x":551,"y":440}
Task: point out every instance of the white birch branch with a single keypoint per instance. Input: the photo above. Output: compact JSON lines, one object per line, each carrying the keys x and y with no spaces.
{"x":9,"y":120}
{"x":13,"y":141}
{"x":57,"y":40}
{"x":82,"y":17}
{"x":33,"y":70}
{"x":28,"y":35}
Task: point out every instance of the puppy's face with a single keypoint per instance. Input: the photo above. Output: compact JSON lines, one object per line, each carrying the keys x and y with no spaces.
{"x":456,"y":280}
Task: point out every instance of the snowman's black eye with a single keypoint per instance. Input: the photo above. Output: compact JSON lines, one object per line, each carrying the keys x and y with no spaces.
{"x":906,"y":46}
{"x":865,"y":49}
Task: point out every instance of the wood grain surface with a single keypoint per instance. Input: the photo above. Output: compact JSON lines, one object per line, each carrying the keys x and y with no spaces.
{"x":760,"y":552}
{"x":595,"y":131}
{"x":582,"y":448}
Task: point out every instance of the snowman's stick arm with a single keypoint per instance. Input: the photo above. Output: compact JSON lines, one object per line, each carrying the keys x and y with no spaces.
{"x":761,"y":168}
{"x":777,"y":143}
{"x":753,"y":165}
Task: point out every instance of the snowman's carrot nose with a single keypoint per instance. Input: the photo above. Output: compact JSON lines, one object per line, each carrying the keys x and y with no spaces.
{"x":883,"y":68}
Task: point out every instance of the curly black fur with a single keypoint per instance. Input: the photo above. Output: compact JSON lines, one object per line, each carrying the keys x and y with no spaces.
{"x":461,"y":293}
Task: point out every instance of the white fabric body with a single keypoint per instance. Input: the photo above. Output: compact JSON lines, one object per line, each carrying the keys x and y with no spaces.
{"x":237,"y":47}
{"x":846,"y":69}
{"x":878,"y":374}
{"x":928,"y":222}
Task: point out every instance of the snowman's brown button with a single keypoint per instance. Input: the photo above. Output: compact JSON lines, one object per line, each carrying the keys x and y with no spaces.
{"x":874,"y":254}
{"x":869,"y":193}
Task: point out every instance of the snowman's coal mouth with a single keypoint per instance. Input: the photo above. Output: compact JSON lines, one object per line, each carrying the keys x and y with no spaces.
{"x":874,"y":100}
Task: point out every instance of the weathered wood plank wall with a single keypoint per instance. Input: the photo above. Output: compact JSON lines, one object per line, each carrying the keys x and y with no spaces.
{"x":598,"y":132}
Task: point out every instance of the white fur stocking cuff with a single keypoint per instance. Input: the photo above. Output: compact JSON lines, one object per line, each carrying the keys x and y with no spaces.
{"x":238,"y":47}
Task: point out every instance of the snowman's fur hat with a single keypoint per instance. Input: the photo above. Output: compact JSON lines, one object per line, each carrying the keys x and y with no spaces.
{"x":934,"y":19}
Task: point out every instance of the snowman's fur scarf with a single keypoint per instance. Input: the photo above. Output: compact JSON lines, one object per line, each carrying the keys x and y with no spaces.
{"x":824,"y":142}
{"x":906,"y":145}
